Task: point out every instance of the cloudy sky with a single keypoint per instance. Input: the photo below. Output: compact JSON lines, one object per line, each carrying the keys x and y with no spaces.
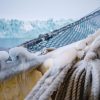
{"x":45,"y":9}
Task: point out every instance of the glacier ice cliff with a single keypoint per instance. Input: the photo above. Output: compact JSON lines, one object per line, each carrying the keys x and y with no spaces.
{"x":15,"y":32}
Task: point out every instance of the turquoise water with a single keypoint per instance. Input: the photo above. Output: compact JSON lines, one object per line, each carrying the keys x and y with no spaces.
{"x":11,"y":42}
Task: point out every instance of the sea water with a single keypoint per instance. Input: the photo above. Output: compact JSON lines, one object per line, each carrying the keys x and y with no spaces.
{"x":6,"y":43}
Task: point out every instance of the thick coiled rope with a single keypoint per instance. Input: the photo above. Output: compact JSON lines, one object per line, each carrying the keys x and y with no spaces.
{"x":78,"y":80}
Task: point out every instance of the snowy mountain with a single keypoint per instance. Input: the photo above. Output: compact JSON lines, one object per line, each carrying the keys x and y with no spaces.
{"x":21,"y":31}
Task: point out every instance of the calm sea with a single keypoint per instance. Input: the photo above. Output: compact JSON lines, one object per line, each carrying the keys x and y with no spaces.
{"x":6,"y":43}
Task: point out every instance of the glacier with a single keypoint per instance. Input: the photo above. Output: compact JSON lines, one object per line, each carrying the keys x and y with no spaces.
{"x":14,"y":32}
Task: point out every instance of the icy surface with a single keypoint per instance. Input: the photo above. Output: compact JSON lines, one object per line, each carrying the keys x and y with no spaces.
{"x":15,"y":32}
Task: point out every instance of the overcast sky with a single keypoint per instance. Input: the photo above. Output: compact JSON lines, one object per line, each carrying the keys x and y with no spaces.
{"x":45,"y":9}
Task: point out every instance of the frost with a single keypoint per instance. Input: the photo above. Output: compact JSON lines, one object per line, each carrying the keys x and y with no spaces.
{"x":3,"y":57}
{"x":20,"y":53}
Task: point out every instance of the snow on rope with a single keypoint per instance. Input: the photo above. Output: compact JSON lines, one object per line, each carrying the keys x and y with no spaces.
{"x":74,"y":74}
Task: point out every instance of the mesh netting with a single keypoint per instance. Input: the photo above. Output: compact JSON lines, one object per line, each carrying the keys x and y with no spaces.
{"x":68,"y":34}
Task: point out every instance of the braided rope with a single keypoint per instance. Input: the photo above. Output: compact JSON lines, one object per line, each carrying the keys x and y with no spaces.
{"x":79,"y":91}
{"x":75,"y":81}
{"x":87,"y":81}
{"x":62,"y":91}
{"x":53,"y":86}
{"x":43,"y":85}
{"x":70,"y":85}
{"x":78,"y":74}
{"x":77,"y":86}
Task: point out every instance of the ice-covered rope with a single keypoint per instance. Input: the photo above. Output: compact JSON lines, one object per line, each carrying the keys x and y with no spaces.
{"x":23,"y":60}
{"x":77,"y":80}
